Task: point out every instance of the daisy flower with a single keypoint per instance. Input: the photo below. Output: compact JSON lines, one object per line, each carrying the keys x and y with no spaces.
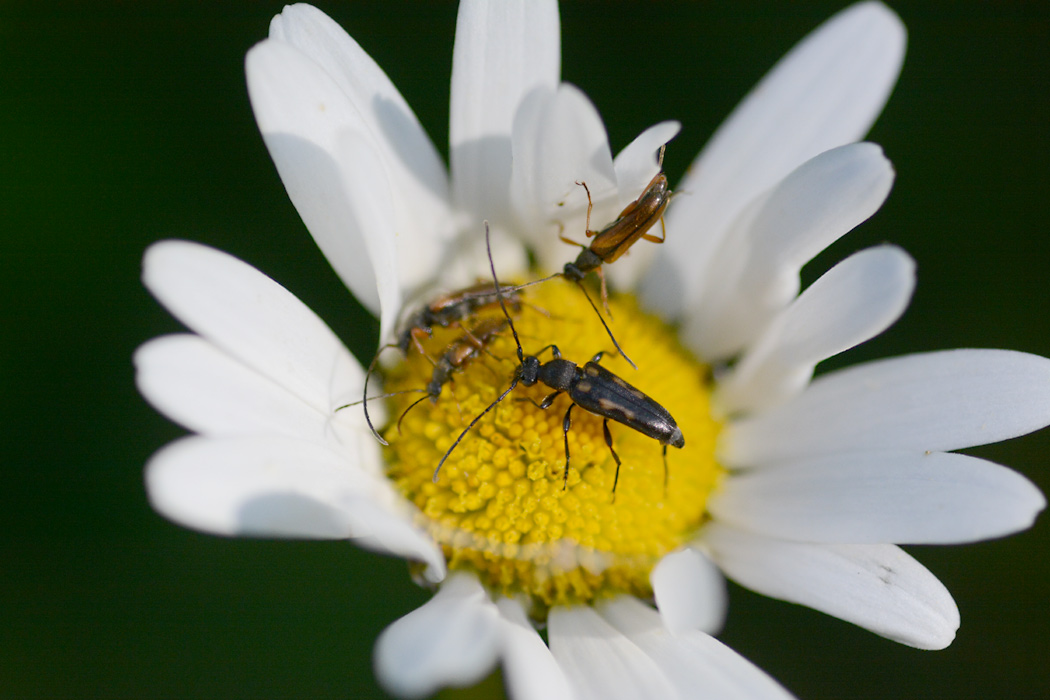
{"x":798,"y":488}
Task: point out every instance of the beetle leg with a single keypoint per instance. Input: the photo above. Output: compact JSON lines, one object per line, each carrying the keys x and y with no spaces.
{"x":653,"y":239}
{"x":608,"y":441}
{"x":418,"y":336}
{"x":665,"y":471}
{"x":561,"y":234}
{"x":605,"y":293}
{"x":570,"y":241}
{"x":598,"y":357}
{"x":548,"y":400}
{"x":590,"y":206}
{"x":553,"y":348}
{"x":566,"y":424}
{"x":474,"y":340}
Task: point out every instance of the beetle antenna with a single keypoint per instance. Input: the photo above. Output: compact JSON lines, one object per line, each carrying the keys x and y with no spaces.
{"x":665,"y":471}
{"x":606,"y":326}
{"x":364,"y":394}
{"x":414,"y":404}
{"x":502,"y":305}
{"x":521,"y":358}
{"x":473,"y":423}
{"x":381,"y":396}
{"x":533,"y":283}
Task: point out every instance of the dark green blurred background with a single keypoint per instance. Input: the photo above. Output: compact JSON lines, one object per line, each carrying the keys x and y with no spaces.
{"x":126,"y":122}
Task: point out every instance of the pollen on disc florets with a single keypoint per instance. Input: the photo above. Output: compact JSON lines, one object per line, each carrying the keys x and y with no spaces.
{"x":501,"y":506}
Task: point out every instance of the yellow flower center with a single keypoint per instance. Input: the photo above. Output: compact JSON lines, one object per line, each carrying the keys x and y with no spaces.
{"x":502,"y":506}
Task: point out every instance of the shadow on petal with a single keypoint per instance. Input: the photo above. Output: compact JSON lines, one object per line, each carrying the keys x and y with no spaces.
{"x":291,"y":515}
{"x":398,"y":128}
{"x":482,"y":185}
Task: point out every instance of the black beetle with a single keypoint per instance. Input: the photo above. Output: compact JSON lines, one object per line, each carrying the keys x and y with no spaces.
{"x":591,"y":387}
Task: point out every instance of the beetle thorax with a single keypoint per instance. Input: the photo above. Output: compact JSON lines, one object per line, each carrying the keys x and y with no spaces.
{"x":558,"y":374}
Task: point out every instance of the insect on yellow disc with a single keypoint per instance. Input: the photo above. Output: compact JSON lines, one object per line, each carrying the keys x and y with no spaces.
{"x":501,"y":506}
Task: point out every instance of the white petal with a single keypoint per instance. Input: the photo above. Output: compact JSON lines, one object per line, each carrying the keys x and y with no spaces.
{"x":851,"y":303}
{"x":880,"y":496}
{"x":825,"y":93}
{"x":757,"y":273}
{"x":253,"y":319}
{"x":346,"y":204}
{"x":468,"y":260}
{"x":390,"y":528}
{"x":417,"y":176}
{"x":452,"y":640}
{"x":936,"y":401}
{"x":877,"y":587}
{"x":637,"y":163}
{"x":281,"y":487}
{"x":529,"y":669}
{"x":503,"y":51}
{"x":393,"y":266}
{"x":559,"y":141}
{"x":690,"y":592}
{"x":698,"y":665}
{"x":205,"y":390}
{"x":600,"y":662}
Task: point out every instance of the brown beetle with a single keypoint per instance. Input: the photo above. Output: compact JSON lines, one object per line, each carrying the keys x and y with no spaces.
{"x":614,"y":240}
{"x":591,"y":387}
{"x":459,"y":353}
{"x":450,"y":309}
